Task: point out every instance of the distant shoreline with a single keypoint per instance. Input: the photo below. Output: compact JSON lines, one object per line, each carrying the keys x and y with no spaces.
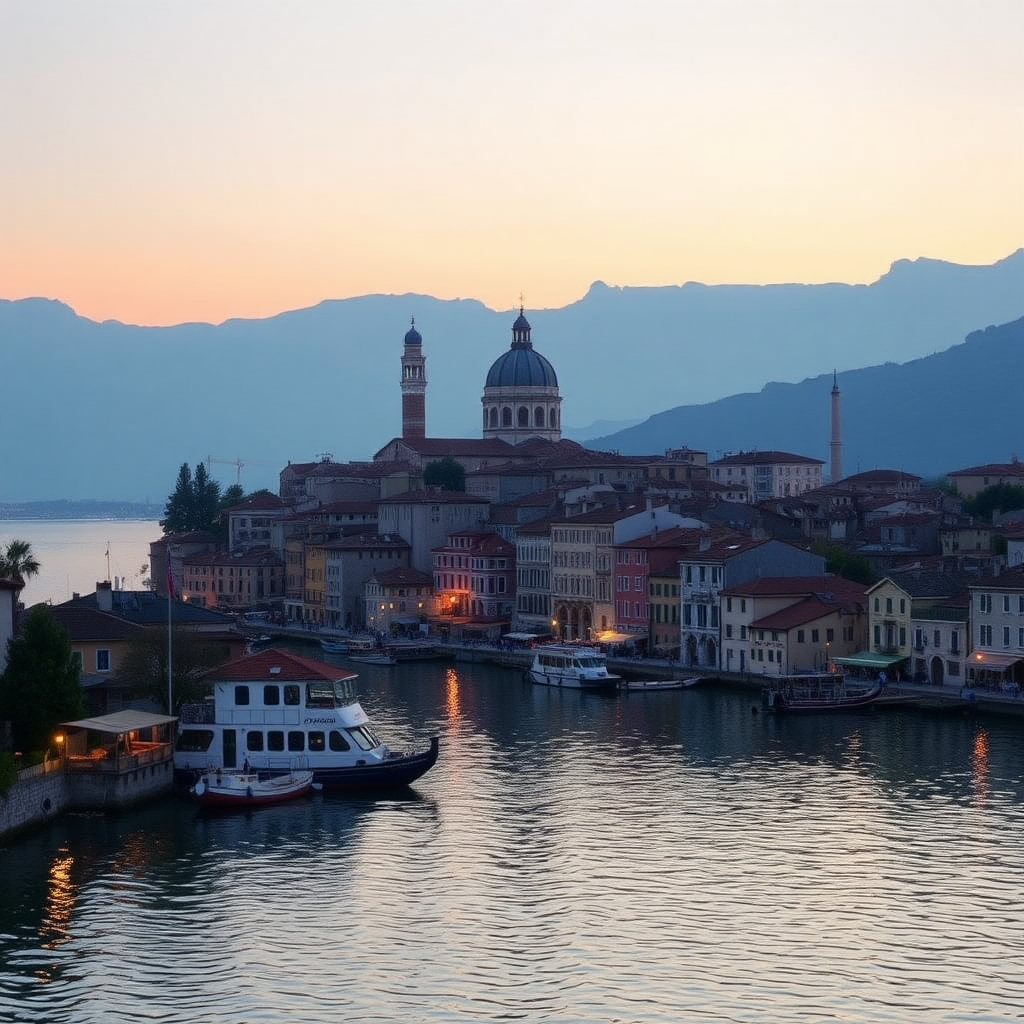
{"x":67,"y":510}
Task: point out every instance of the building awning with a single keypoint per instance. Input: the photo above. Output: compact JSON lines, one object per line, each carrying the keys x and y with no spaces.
{"x":609,"y":636}
{"x":869,"y":659}
{"x":998,"y":662}
{"x":404,"y":620}
{"x":521,"y":636}
{"x":120,"y":722}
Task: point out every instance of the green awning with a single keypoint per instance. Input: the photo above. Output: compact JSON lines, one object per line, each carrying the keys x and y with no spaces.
{"x":869,"y":659}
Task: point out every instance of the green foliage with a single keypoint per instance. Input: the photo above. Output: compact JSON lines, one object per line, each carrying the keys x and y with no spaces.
{"x":40,"y":687}
{"x":997,"y":498}
{"x":446,"y":473}
{"x":143,"y":666}
{"x":8,"y":772}
{"x":17,"y":560}
{"x":195,"y":503}
{"x":841,"y":562}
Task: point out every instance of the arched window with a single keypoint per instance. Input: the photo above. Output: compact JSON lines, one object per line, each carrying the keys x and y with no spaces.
{"x":552,"y":420}
{"x":538,"y":416}
{"x":506,"y":416}
{"x":494,"y":415}
{"x":524,"y":416}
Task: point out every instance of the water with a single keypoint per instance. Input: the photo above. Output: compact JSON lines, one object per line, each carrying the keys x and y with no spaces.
{"x":72,"y":554}
{"x":658,"y":857}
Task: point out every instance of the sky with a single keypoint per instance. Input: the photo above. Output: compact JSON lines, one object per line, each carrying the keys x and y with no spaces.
{"x":205,"y":159}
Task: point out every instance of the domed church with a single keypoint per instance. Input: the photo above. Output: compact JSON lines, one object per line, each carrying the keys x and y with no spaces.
{"x":521,"y":399}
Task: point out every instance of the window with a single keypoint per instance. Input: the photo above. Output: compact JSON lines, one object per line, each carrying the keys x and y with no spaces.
{"x":316,"y":741}
{"x":877,"y":606}
{"x":336,"y":741}
{"x":728,"y":604}
{"x":903,"y":636}
{"x":984,"y":602}
{"x":638,"y":583}
{"x":888,"y":604}
{"x":1006,"y":602}
{"x":241,"y":695}
{"x":799,"y":636}
{"x":103,"y":661}
{"x":903,"y":606}
{"x":1006,"y":636}
{"x":364,"y":739}
{"x":194,"y":741}
{"x":296,"y":741}
{"x":275,"y":740}
{"x":728,"y":630}
{"x":830,"y":635}
{"x":254,"y":740}
{"x":984,"y":636}
{"x":271,"y":694}
{"x":814,"y":636}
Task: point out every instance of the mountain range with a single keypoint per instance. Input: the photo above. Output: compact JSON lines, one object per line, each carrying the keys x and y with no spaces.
{"x":110,"y":410}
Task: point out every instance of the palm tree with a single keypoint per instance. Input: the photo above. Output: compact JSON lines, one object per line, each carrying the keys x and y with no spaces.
{"x":18,"y":560}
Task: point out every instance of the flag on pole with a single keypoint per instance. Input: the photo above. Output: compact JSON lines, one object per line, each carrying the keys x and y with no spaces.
{"x":170,"y":582}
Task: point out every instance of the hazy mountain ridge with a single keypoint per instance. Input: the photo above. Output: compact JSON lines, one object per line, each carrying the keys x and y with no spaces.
{"x":929,"y":416}
{"x":112,"y":408}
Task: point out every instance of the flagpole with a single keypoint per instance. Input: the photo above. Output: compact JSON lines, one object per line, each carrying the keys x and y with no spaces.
{"x":170,"y":598}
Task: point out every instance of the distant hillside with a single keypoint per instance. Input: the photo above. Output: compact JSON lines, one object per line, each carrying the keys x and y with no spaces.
{"x":929,"y":416}
{"x":106,"y":409}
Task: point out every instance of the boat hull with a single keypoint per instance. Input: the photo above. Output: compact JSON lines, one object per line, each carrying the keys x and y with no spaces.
{"x":779,"y":702}
{"x":225,"y":789}
{"x":571,"y":682}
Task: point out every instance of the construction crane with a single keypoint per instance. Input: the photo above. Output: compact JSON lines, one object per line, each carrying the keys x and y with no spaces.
{"x":237,"y":463}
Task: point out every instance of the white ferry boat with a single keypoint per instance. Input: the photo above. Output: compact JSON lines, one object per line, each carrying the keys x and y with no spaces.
{"x":581,"y":668}
{"x":280,"y":712}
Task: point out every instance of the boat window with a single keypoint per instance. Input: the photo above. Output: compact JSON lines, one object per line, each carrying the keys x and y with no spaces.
{"x":271,"y":694}
{"x":590,"y":662}
{"x":363,"y":738}
{"x":291,"y":694}
{"x":194,"y":741}
{"x":296,"y":741}
{"x":316,"y":741}
{"x":275,"y":740}
{"x":319,"y":695}
{"x":253,"y":740}
{"x":344,"y":691}
{"x":337,"y":741}
{"x":241,"y":695}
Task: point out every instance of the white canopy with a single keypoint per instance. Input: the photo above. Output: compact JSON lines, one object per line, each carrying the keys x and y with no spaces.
{"x":120,"y":722}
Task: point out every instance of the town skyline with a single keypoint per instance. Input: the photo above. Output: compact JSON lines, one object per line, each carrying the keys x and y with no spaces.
{"x":228,"y":167}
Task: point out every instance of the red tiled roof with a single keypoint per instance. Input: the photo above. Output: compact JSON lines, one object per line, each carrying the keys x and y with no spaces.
{"x":86,"y":624}
{"x":765,"y":458}
{"x":252,"y":557}
{"x":992,"y":469}
{"x":441,"y":446}
{"x":877,"y":476}
{"x":777,"y":586}
{"x":291,"y":669}
{"x":403,"y":576}
{"x":797,"y":614}
{"x":260,"y":501}
{"x":434,"y":497}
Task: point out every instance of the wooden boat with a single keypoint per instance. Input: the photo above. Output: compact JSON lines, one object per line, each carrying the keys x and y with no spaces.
{"x":414,"y":650}
{"x":334,"y":646}
{"x":374,"y":659}
{"x":640,"y":685}
{"x":823,"y":691}
{"x":221,"y":788}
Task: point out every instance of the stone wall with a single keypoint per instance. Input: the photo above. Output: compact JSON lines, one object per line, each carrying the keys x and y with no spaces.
{"x":101,"y":790}
{"x":39,"y":794}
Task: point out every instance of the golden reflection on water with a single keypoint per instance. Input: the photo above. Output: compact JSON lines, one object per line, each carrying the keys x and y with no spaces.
{"x":61,"y":891}
{"x":980,"y":767}
{"x":452,"y":703}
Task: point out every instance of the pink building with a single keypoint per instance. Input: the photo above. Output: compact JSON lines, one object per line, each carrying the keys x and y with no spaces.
{"x":474,"y":577}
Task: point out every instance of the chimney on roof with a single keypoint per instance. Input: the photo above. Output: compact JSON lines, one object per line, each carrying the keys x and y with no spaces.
{"x":104,"y":596}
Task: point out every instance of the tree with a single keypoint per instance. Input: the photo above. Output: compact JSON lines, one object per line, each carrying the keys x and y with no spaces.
{"x":40,"y":687}
{"x":841,"y":562}
{"x":178,"y":511}
{"x":997,"y":498}
{"x":195,"y":503}
{"x":446,"y":473}
{"x":17,"y":560}
{"x":143,"y":666}
{"x":206,"y":500}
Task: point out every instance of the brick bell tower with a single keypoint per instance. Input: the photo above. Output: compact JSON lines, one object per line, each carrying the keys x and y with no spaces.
{"x":414,"y":385}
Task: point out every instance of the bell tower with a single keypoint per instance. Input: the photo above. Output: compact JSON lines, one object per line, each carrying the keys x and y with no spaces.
{"x":414,"y":385}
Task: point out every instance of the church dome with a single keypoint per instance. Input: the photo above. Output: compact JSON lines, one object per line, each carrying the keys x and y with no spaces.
{"x":412,"y":336}
{"x":521,"y":367}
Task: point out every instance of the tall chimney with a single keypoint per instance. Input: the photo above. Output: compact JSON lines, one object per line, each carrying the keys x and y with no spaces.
{"x":835,"y":445}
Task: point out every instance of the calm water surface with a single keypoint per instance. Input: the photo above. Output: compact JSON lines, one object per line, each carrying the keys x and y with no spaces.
{"x":660,"y":857}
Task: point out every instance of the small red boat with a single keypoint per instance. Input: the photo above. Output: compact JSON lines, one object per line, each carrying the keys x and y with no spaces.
{"x":221,"y":788}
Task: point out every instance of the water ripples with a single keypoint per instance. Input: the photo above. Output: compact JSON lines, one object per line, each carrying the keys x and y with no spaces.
{"x":570,"y":858}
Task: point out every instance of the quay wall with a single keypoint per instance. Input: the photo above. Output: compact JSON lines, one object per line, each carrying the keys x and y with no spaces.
{"x":40,"y":794}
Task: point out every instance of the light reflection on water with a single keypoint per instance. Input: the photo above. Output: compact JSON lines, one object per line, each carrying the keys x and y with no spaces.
{"x":572,"y":857}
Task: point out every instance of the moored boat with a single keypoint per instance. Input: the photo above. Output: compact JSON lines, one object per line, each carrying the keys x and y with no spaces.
{"x":823,"y":691}
{"x":579,"y":668}
{"x":221,"y":788}
{"x":334,"y":646}
{"x":277,"y":710}
{"x":640,"y":685}
{"x":380,"y":658}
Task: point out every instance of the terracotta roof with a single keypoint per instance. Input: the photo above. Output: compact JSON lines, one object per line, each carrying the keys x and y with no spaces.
{"x":765,"y":458}
{"x":260,"y":502}
{"x":291,"y":668}
{"x":403,"y":576}
{"x":992,"y":469}
{"x":719,"y":551}
{"x":778,"y":586}
{"x":146,"y":608}
{"x":484,"y":543}
{"x":352,"y":508}
{"x":1012,"y":579}
{"x":252,"y":557}
{"x":363,"y":541}
{"x":797,"y":614}
{"x":441,"y":446}
{"x":877,"y":476}
{"x":87,"y":624}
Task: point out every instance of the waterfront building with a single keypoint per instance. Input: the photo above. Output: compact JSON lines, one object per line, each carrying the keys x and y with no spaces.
{"x":167,"y":555}
{"x":785,"y":624}
{"x":941,"y":640}
{"x":348,"y":564}
{"x":663,"y":591}
{"x":474,"y":579}
{"x":314,"y":573}
{"x":425,"y":518}
{"x":768,"y":474}
{"x":724,"y":558}
{"x":533,"y":578}
{"x":973,"y":480}
{"x":997,"y":631}
{"x":233,"y":581}
{"x":397,"y":599}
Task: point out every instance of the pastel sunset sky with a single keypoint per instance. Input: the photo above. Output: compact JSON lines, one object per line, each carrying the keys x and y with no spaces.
{"x":205,"y":159}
